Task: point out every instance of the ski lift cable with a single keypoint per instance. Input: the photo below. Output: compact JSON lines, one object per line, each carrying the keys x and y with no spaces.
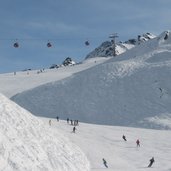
{"x":49,"y":41}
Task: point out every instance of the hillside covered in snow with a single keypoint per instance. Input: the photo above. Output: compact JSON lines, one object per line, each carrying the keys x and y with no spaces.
{"x":132,"y":89}
{"x":27,"y":144}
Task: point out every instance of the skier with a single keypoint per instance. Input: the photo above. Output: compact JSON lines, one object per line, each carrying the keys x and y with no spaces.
{"x":151,"y":162}
{"x":50,"y":122}
{"x":75,"y":122}
{"x":124,"y":137}
{"x":105,"y":163}
{"x":74,"y":128}
{"x":68,"y":120}
{"x":57,"y":118}
{"x":138,"y":143}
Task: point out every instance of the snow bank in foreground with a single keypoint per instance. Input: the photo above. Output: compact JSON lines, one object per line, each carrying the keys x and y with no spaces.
{"x":26,"y":144}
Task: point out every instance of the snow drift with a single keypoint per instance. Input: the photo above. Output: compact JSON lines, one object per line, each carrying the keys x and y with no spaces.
{"x":27,"y":144}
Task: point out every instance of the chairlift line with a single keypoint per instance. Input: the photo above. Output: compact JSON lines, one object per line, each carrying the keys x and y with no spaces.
{"x":17,"y":42}
{"x":49,"y":44}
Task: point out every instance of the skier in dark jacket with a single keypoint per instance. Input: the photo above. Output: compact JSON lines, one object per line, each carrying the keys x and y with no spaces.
{"x":105,"y":163}
{"x":74,"y":128}
{"x":151,"y":162}
{"x":124,"y":137}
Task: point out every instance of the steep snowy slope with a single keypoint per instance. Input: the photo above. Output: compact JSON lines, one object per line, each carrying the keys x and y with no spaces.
{"x":27,"y":144}
{"x":131,"y":90}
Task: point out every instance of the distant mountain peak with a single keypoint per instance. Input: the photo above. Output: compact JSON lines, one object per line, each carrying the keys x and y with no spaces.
{"x":106,"y":49}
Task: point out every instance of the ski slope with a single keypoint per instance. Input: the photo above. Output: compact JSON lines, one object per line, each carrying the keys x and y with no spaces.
{"x":27,"y":143}
{"x":132,"y":89}
{"x":101,"y":141}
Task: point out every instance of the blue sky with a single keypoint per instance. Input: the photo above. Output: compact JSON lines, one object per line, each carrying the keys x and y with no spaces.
{"x":68,"y":24}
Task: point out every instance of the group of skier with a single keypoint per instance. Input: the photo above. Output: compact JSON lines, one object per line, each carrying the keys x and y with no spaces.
{"x":50,"y":121}
{"x":150,"y":164}
{"x":69,"y":121}
{"x":73,"y":122}
{"x":137,"y":142}
{"x":138,"y":145}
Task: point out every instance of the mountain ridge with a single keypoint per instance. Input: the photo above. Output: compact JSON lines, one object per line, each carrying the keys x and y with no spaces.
{"x":106,"y":49}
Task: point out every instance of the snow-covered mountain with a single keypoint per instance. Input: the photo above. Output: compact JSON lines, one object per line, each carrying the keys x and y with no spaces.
{"x":132,"y":89}
{"x":106,"y":49}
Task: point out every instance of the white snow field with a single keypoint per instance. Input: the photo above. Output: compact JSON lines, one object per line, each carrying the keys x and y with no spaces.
{"x":132,"y":89}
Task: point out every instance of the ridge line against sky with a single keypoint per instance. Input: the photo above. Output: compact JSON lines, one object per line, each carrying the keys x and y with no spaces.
{"x":69,"y":24}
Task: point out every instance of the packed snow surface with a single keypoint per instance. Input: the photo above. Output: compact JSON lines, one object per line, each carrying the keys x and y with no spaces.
{"x":101,"y":141}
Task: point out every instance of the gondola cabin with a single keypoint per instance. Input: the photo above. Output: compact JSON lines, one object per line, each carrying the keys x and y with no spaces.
{"x":16,"y":45}
{"x":49,"y":45}
{"x":87,"y":43}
